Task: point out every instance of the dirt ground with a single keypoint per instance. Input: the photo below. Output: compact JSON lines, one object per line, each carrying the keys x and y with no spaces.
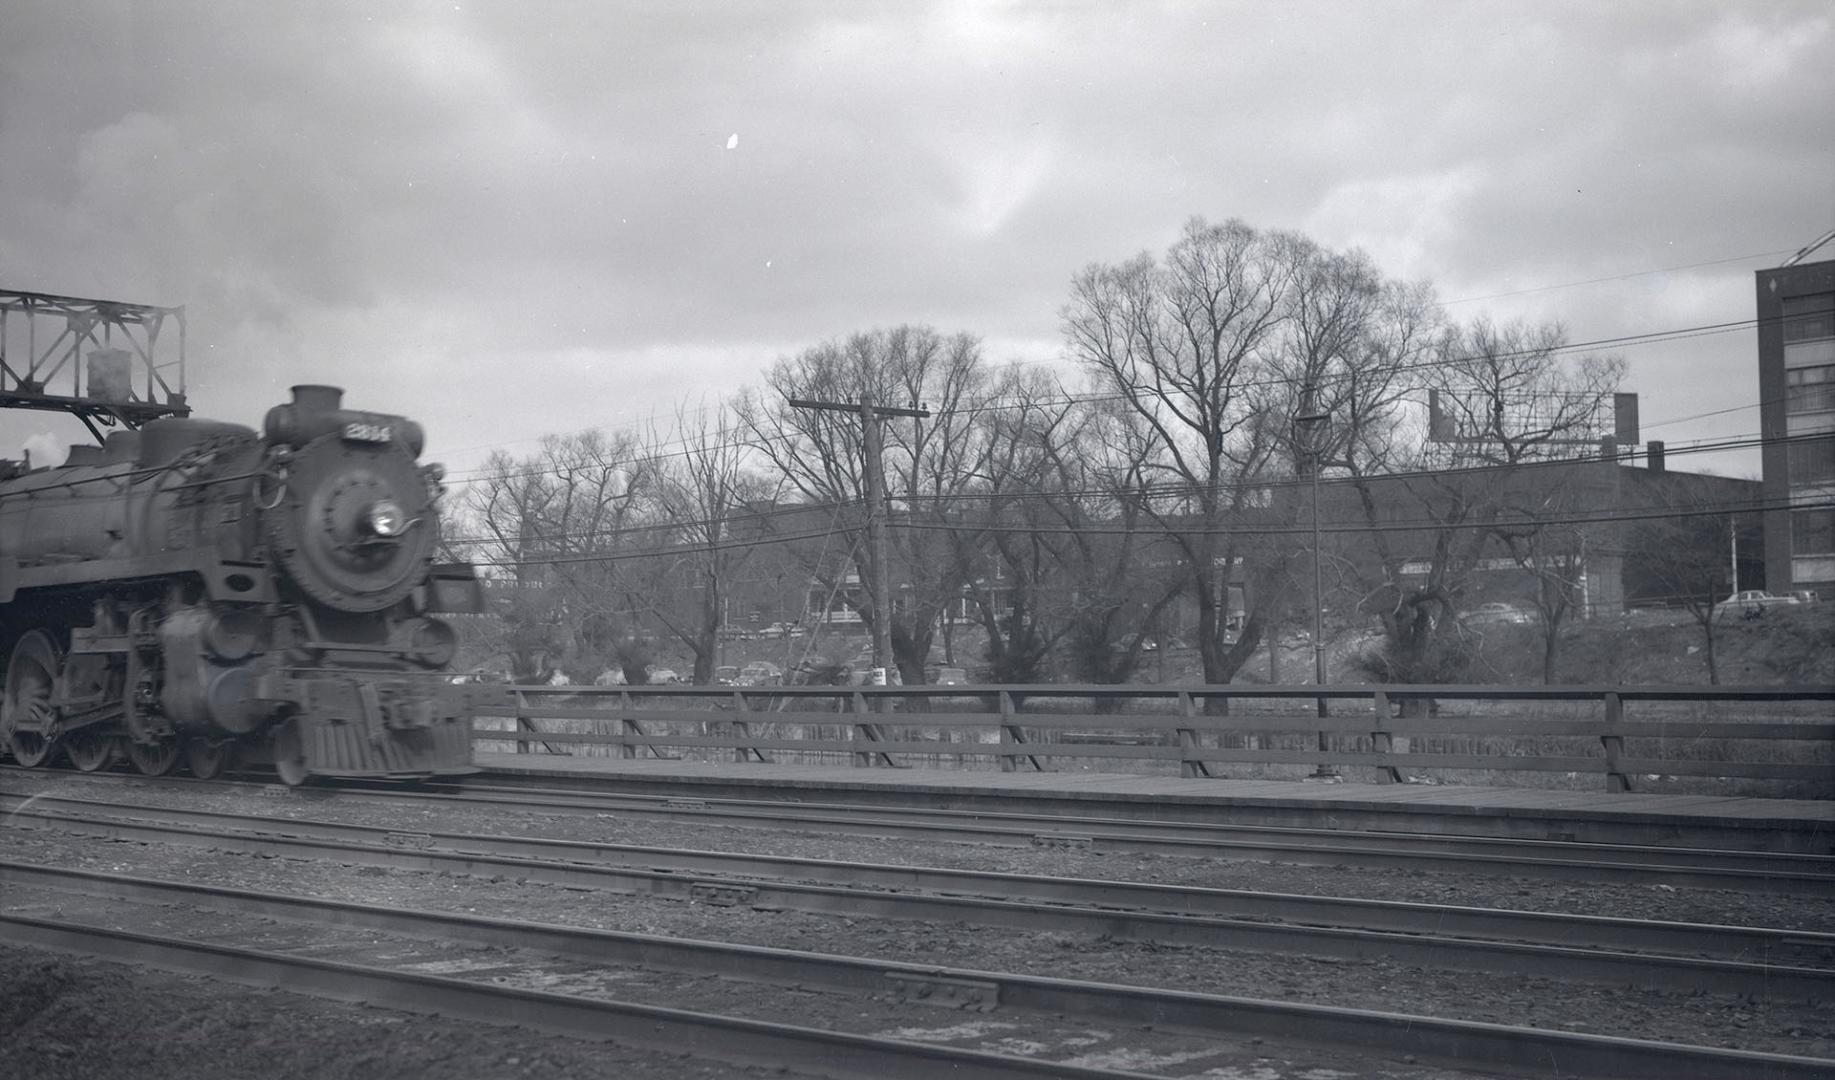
{"x":67,"y":1018}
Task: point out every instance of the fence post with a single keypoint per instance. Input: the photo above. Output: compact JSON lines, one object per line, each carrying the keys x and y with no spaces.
{"x":742,"y":728}
{"x":866,"y":730}
{"x":1616,"y":780}
{"x":1380,"y":740}
{"x":523,"y":723}
{"x":1008,"y":736}
{"x":861,"y":729}
{"x":1189,"y":766}
{"x":628,"y":724}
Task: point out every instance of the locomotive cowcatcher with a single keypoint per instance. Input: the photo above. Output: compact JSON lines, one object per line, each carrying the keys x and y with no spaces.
{"x":198,"y":589}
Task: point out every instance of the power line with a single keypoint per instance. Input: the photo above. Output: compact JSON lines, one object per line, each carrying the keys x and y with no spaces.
{"x":1443,"y":303}
{"x":1616,"y":277}
{"x":1235,"y":529}
{"x":1653,"y":337}
{"x":1170,"y":491}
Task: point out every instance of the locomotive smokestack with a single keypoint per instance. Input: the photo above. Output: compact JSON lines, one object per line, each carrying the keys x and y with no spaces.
{"x":310,"y":398}
{"x":309,"y":414}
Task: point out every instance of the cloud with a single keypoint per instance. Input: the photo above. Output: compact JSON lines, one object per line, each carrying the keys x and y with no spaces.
{"x":450,"y":207}
{"x":1404,"y":222}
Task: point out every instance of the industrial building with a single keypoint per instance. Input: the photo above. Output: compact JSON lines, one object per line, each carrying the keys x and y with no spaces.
{"x":1796,"y":358}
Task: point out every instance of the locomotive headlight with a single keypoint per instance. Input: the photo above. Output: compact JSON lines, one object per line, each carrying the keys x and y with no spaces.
{"x":385,"y":519}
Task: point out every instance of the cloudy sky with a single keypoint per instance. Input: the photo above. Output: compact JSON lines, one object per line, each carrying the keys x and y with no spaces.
{"x":509,"y":219}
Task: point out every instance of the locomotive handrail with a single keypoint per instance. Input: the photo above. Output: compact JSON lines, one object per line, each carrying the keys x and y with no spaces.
{"x":1392,"y":730}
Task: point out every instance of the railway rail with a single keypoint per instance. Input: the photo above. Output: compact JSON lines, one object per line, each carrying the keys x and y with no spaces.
{"x":1554,"y":860}
{"x":496,"y":989}
{"x":1761,"y":962}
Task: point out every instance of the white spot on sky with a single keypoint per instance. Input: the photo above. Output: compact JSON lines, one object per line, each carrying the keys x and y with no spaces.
{"x":732,"y":141}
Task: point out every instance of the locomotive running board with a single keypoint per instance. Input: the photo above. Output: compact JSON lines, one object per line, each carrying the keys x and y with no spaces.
{"x":244,"y":581}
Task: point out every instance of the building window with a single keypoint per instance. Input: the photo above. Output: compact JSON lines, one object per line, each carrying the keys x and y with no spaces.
{"x":1812,"y":532}
{"x":1810,"y":389}
{"x":1807,"y":318}
{"x":1812,"y":461}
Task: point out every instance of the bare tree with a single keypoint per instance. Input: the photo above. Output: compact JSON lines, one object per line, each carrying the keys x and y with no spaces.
{"x":551,"y":529}
{"x":1185,"y":342}
{"x":1682,"y":558}
{"x":819,"y":455}
{"x":999,"y":522}
{"x":704,"y":502}
{"x":1507,"y":401}
{"x":1344,"y":363}
{"x":1050,"y":526}
{"x":1121,"y":573}
{"x":1553,"y":552}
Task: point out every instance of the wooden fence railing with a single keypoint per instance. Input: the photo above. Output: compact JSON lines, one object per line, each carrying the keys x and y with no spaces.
{"x":1619,"y":732}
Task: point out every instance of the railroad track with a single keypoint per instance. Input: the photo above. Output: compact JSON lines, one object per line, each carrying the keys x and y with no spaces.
{"x":1760,"y":962}
{"x":308,"y":945}
{"x":1588,"y":863}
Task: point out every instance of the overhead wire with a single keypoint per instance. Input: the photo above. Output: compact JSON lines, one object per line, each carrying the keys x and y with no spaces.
{"x":1232,"y":528}
{"x":1443,"y":303}
{"x":1647,"y":338}
{"x":1160,"y":492}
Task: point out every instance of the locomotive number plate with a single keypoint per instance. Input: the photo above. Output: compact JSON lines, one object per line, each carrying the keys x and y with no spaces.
{"x":364,"y":431}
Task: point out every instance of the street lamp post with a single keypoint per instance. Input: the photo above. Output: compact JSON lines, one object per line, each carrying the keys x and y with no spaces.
{"x":1312,"y":420}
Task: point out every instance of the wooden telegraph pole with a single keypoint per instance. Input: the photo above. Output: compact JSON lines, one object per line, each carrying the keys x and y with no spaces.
{"x":872,"y":443}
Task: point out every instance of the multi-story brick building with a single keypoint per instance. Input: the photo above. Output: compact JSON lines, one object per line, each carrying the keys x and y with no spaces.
{"x":1796,"y":324}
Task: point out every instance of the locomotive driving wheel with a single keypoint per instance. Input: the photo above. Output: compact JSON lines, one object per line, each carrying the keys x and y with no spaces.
{"x":154,"y":758}
{"x":206,"y":758}
{"x":31,"y":676}
{"x":88,"y":749}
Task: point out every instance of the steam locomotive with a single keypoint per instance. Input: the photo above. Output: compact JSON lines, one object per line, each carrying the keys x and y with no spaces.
{"x":194,"y":589}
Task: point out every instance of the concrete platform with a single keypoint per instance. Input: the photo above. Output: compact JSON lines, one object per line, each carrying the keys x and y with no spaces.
{"x":1753,"y":824}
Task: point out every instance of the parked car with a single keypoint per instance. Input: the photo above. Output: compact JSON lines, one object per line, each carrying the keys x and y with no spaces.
{"x":1497,"y":613}
{"x":937,"y":675}
{"x":726,"y":675}
{"x":1805,"y":596}
{"x":760,"y":673}
{"x":818,"y":670}
{"x":662,"y":676}
{"x":1751,"y":604}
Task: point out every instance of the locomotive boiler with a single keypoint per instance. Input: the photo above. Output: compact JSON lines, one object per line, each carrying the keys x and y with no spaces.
{"x":199,"y":590}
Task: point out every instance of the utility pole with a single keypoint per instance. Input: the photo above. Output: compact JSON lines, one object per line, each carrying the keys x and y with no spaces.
{"x":1313,"y":419}
{"x":1732,"y":554}
{"x":872,"y":443}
